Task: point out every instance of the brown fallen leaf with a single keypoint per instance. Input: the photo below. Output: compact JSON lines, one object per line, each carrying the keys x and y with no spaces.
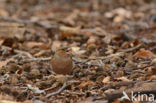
{"x":122,"y":79}
{"x":70,"y":19}
{"x":6,"y":98}
{"x":154,"y":61}
{"x":106,"y":80}
{"x":69,"y":29}
{"x":40,"y":53}
{"x":152,"y":70}
{"x":85,"y":84}
{"x":61,"y":78}
{"x":109,"y":90}
{"x":4,"y":12}
{"x":91,"y":40}
{"x":4,"y":63}
{"x":36,"y":44}
{"x":77,"y":51}
{"x":29,"y":101}
{"x":145,"y":54}
{"x":116,"y":101}
{"x":152,"y":77}
{"x":67,"y":32}
{"x":1,"y":41}
{"x":10,"y":30}
{"x":7,"y":101}
{"x":119,"y":13}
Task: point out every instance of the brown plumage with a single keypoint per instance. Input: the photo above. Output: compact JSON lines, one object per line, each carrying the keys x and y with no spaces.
{"x":62,"y":63}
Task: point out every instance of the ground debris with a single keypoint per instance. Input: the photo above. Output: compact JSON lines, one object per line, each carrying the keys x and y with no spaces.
{"x":112,"y":45}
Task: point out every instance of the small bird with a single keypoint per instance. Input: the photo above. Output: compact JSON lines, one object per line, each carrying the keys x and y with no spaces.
{"x":62,"y":62}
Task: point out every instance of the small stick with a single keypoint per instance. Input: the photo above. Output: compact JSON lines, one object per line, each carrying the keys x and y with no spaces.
{"x":47,"y":26}
{"x":57,"y":92}
{"x":77,"y":61}
{"x":101,"y":58}
{"x":109,"y":56}
{"x":19,"y":51}
{"x":15,"y":20}
{"x":118,"y":84}
{"x":131,"y":49}
{"x":37,"y":59}
{"x":94,"y":31}
{"x":24,"y":52}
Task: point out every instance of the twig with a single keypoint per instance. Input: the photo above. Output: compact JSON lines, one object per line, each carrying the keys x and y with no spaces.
{"x":37,"y":59}
{"x":118,"y":84}
{"x":34,"y":89}
{"x":121,"y":53}
{"x":96,"y":58}
{"x":57,"y":92}
{"x":15,"y":20}
{"x":94,"y":31}
{"x":19,"y":51}
{"x":24,"y":52}
{"x":47,"y":26}
{"x":131,"y":49}
{"x":31,"y":58}
{"x":76,"y":93}
{"x":78,"y":61}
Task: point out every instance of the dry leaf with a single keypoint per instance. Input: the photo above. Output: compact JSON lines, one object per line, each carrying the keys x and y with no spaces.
{"x":7,"y":101}
{"x":143,"y":54}
{"x":77,"y":51}
{"x":1,"y":41}
{"x":154,"y":61}
{"x":91,"y":40}
{"x":152,"y":77}
{"x":67,"y":32}
{"x":69,"y":29}
{"x":118,"y":19}
{"x":61,"y":78}
{"x":116,"y":101}
{"x":122,"y":79}
{"x":6,"y":97}
{"x":4,"y":63}
{"x":40,"y":53}
{"x":10,"y":30}
{"x":35,"y":89}
{"x":122,"y":12}
{"x":36,"y":45}
{"x":109,"y":91}
{"x":152,"y":70}
{"x":85,"y":84}
{"x":71,"y":17}
{"x":120,"y":73}
{"x":28,"y":101}
{"x":106,"y":80}
{"x":119,"y":13}
{"x":65,"y":35}
{"x":3,"y":13}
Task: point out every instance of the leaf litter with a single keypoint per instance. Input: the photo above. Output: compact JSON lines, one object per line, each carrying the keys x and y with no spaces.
{"x":112,"y":44}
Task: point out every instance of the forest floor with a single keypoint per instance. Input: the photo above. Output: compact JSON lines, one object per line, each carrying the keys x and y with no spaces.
{"x":112,"y":43}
